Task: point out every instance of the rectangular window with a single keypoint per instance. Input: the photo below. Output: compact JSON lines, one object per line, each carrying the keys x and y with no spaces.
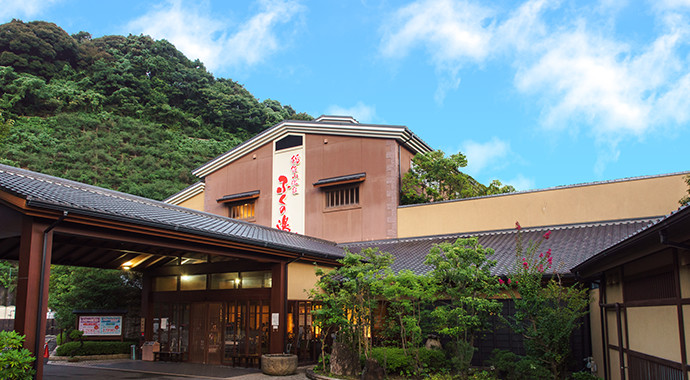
{"x":342,"y":196}
{"x":193,"y":282}
{"x":260,"y":279}
{"x":165,"y":284}
{"x":225,"y":280}
{"x":242,"y":210}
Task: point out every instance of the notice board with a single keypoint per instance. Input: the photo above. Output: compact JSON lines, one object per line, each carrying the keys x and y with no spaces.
{"x":100,"y":325}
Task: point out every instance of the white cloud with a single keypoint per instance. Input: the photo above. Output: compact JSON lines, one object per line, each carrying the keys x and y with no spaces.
{"x":671,"y":4}
{"x":609,"y":88}
{"x":577,"y":70}
{"x":199,"y":34}
{"x":23,"y":8}
{"x":483,"y":155}
{"x":585,"y":78}
{"x":521,"y":183}
{"x":360,"y":111}
{"x":452,"y":33}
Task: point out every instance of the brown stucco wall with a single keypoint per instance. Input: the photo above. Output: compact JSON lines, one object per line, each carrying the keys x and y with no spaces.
{"x":635,"y":198}
{"x":375,"y":217}
{"x":325,"y":156}
{"x":245,"y":174}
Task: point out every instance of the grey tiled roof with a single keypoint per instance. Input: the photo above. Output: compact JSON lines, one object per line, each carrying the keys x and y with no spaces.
{"x":570,"y":244}
{"x":682,"y":214}
{"x":244,"y":195}
{"x":55,"y":193}
{"x":349,"y":177}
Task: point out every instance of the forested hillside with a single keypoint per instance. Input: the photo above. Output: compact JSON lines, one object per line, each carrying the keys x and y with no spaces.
{"x":127,"y":113}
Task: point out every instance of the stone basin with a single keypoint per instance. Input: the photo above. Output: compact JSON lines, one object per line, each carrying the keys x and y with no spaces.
{"x":278,"y":364}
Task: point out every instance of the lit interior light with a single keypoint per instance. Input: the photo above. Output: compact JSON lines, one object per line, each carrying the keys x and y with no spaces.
{"x":185,"y":277}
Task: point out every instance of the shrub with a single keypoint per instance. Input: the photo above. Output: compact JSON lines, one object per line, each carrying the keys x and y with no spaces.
{"x":76,"y":334}
{"x":433,"y":360}
{"x":511,"y":366}
{"x":15,"y":362}
{"x":395,"y":362}
{"x":483,"y":375}
{"x":584,"y":376}
{"x":325,"y":360}
{"x":93,"y":348}
{"x":61,"y":338}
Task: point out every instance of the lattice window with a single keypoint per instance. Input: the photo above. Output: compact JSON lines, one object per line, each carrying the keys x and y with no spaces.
{"x":651,"y":287}
{"x":242,"y":210}
{"x":342,"y":196}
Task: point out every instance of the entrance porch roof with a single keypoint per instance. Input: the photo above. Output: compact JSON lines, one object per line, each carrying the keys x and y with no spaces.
{"x":35,"y":194}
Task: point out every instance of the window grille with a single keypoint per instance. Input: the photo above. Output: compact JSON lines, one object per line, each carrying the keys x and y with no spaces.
{"x":342,"y":196}
{"x":243,"y":210}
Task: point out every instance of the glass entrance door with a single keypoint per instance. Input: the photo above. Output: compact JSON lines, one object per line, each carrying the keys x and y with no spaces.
{"x":206,"y":338}
{"x":246,"y":331}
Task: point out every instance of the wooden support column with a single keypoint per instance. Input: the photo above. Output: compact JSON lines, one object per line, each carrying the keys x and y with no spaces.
{"x":146,"y":309}
{"x":278,"y":305}
{"x":29,"y":313}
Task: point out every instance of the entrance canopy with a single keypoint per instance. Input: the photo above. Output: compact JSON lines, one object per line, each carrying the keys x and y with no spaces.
{"x":48,"y":220}
{"x":105,"y":228}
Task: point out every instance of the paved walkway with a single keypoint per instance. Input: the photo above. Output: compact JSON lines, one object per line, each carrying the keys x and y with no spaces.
{"x":188,"y":370}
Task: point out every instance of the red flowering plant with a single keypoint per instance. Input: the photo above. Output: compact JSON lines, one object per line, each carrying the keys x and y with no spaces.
{"x":546,"y":311}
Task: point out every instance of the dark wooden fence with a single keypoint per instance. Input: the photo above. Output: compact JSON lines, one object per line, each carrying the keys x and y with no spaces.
{"x":502,"y":337}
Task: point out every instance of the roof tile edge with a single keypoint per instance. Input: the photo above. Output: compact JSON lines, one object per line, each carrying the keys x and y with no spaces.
{"x":398,"y":132}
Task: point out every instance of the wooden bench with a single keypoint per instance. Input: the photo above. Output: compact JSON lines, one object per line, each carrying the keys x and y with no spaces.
{"x":168,"y":356}
{"x":250,"y":360}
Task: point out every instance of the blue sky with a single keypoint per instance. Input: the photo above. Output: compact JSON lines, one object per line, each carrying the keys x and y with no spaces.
{"x":536,"y":93}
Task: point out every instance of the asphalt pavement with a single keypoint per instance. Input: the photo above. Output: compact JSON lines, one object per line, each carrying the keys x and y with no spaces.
{"x":137,"y":369}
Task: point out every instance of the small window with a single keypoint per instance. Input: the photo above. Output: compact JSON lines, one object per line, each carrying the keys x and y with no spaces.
{"x":193,"y":282}
{"x":262,"y":279}
{"x":165,"y":284}
{"x":242,"y":210}
{"x":342,"y":196}
{"x":289,"y":141}
{"x":225,"y":280}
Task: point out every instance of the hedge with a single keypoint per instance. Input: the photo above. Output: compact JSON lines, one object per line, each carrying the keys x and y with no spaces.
{"x":94,"y":348}
{"x":395,"y":362}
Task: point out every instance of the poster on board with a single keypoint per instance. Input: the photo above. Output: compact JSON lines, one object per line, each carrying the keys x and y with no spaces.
{"x":93,"y":325}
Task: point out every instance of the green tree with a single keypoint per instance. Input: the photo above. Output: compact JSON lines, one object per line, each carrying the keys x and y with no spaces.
{"x":329,"y":315}
{"x":547,"y":312}
{"x":5,"y":126}
{"x":8,"y":278}
{"x":128,"y":113}
{"x":349,"y":294}
{"x":90,"y":288}
{"x":686,"y":199}
{"x":407,"y":298}
{"x":464,"y":286}
{"x":38,"y":48}
{"x":435,"y":177}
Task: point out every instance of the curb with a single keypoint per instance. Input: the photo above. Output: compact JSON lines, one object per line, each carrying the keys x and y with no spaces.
{"x":313,"y":376}
{"x":88,"y":357}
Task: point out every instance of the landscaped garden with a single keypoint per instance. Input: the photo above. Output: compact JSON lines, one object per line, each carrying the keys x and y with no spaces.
{"x":375,"y":323}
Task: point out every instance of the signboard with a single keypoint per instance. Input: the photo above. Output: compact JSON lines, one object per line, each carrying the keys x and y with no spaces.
{"x":100,"y":325}
{"x":275,"y":321}
{"x":288,"y":190}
